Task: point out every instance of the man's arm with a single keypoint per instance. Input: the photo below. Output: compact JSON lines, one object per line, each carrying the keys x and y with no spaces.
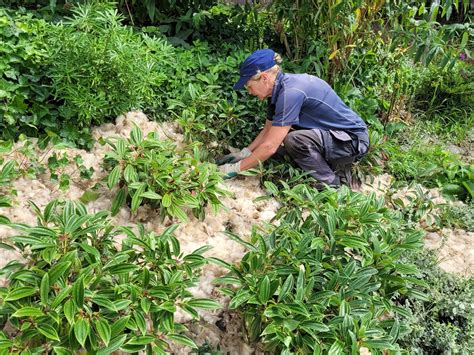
{"x":261,"y":136}
{"x":269,"y":145}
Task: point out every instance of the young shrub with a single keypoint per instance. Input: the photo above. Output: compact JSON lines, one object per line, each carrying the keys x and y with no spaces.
{"x":77,"y":290}
{"x":151,"y":171}
{"x":101,"y":68}
{"x":323,"y":280}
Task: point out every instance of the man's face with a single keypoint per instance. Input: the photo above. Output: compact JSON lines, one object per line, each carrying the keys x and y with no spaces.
{"x":260,"y":87}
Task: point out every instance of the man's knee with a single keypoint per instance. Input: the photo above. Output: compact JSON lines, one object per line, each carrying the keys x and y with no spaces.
{"x":303,"y":142}
{"x":291,"y":142}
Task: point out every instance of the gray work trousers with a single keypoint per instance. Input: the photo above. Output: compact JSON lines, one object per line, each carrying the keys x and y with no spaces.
{"x":323,"y":153}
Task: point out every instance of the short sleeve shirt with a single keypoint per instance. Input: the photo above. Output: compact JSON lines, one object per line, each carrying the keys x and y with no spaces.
{"x":306,"y":102}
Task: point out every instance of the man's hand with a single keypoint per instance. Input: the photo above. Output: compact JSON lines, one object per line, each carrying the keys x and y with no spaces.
{"x":231,"y":170}
{"x":234,"y":157}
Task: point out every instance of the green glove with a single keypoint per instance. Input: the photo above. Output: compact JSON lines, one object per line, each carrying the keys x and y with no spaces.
{"x":234,"y":157}
{"x":230,"y":170}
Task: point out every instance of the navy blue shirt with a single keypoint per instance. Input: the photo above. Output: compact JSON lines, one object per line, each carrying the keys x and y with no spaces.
{"x":306,"y":102}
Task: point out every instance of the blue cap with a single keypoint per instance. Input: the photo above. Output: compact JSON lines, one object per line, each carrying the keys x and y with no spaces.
{"x":261,"y":59}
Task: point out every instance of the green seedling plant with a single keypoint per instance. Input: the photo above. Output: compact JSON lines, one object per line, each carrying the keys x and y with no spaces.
{"x":416,"y":206}
{"x":78,"y":288}
{"x":323,"y":280}
{"x":45,"y":156}
{"x":152,"y":171}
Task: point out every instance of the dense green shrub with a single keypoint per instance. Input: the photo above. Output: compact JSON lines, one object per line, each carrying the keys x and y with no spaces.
{"x":445,"y":101}
{"x":25,"y":100}
{"x":152,"y":171}
{"x":431,"y":166}
{"x":100,"y":68}
{"x":324,"y":279}
{"x":459,"y":216}
{"x":444,"y":324}
{"x":199,"y":95}
{"x":77,"y":288}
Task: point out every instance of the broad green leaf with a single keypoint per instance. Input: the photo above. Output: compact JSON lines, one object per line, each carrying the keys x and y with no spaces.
{"x":300,"y":284}
{"x":104,"y":302}
{"x":121,"y":147}
{"x":81,"y":331}
{"x":287,"y":287}
{"x":48,"y":331}
{"x":44,"y":289}
{"x":20,"y":292}
{"x":130,"y":174}
{"x":114,"y":177}
{"x":145,"y":304}
{"x":89,"y":196}
{"x":69,"y":310}
{"x":103,"y":329}
{"x":78,"y":292}
{"x":118,"y":201}
{"x":140,"y":320}
{"x":137,"y":199}
{"x":61,"y":296}
{"x":4,"y":220}
{"x":315,"y":326}
{"x":151,"y":195}
{"x":337,"y":348}
{"x":58,"y":270}
{"x":204,"y":303}
{"x":166,"y":200}
{"x":264,"y":290}
{"x":28,"y":312}
{"x":181,"y":339}
{"x":121,"y":304}
{"x":6,"y":344}
{"x":176,"y":211}
{"x":136,"y":135}
{"x":122,"y":269}
{"x":141,"y":340}
{"x":119,"y":325}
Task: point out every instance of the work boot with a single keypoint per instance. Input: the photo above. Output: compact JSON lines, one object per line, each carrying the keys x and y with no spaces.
{"x":344,"y":173}
{"x":321,"y":186}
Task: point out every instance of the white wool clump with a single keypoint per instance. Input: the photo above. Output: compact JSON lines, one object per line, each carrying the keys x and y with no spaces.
{"x":378,"y":184}
{"x":454,"y":248}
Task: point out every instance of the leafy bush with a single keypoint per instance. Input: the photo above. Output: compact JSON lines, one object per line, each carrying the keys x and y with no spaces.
{"x":151,"y":171}
{"x":431,"y":166}
{"x":77,"y":288}
{"x":100,"y":68}
{"x":459,"y":216}
{"x":25,"y":98}
{"x":324,"y":279}
{"x":199,"y":94}
{"x":445,"y":101}
{"x":444,"y":324}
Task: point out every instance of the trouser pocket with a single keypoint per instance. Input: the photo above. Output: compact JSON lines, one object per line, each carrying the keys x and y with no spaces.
{"x":339,"y":147}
